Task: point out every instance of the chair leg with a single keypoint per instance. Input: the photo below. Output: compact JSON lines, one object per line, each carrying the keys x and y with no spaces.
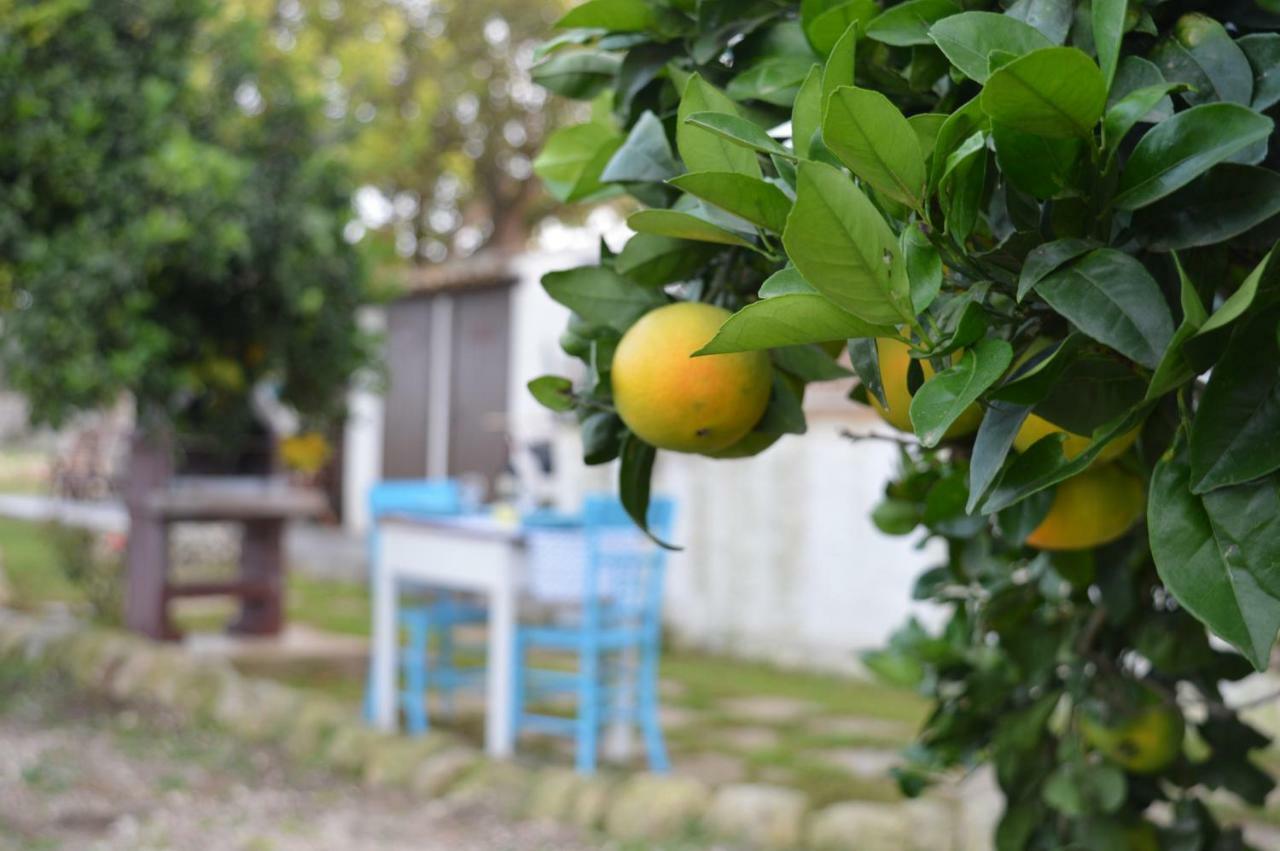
{"x":654,"y":744}
{"x":414,"y":696}
{"x":588,"y":710}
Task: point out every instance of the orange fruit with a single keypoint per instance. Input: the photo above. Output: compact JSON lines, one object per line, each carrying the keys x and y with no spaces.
{"x":895,"y":360}
{"x":1147,"y":742}
{"x":672,"y":400}
{"x":1034,"y":428}
{"x":1091,"y":509}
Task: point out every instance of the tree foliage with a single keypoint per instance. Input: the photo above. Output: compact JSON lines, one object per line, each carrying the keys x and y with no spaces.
{"x":1066,"y":209}
{"x":171,"y":221}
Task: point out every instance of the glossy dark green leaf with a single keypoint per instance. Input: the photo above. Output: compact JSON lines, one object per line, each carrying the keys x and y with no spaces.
{"x":1175,"y":152}
{"x":1134,"y":107}
{"x":991,"y":447}
{"x":614,"y":15}
{"x":1050,"y":17}
{"x":968,"y":39}
{"x":658,"y":260}
{"x":739,"y":133}
{"x":924,"y":267}
{"x":838,"y":69}
{"x":580,"y":74}
{"x":682,"y":225}
{"x":553,"y":392}
{"x":1055,"y":91}
{"x":1263,"y":52}
{"x":1094,"y":388}
{"x":645,"y":156}
{"x":634,"y":477}
{"x":788,"y":320}
{"x":1108,"y":31}
{"x":775,"y":80}
{"x":1240,"y":300}
{"x":1111,"y":297}
{"x":1200,"y":50}
{"x":787,"y":281}
{"x":962,"y":185}
{"x":601,"y":296}
{"x":908,"y":23}
{"x":865,"y":360}
{"x":1039,"y":166}
{"x":841,"y":245}
{"x":1233,"y":436}
{"x":896,"y":516}
{"x":809,"y":363}
{"x":602,"y":434}
{"x":785,"y":413}
{"x":1195,"y":567}
{"x":1246,"y":525}
{"x":947,"y":395}
{"x":954,"y":132}
{"x":748,"y":198}
{"x":869,"y":135}
{"x":1175,"y":369}
{"x":1224,"y":202}
{"x":1047,"y":258}
{"x":825,"y":28}
{"x":927,"y":126}
{"x":701,"y":149}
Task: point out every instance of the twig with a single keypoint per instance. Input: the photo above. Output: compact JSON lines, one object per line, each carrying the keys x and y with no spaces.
{"x":887,"y":438}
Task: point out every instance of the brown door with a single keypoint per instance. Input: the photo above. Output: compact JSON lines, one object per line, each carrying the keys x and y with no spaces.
{"x":404,"y":453}
{"x":478,"y":396}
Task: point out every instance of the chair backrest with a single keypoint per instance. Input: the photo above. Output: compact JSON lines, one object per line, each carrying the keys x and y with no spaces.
{"x":624,"y":570}
{"x":415,"y":496}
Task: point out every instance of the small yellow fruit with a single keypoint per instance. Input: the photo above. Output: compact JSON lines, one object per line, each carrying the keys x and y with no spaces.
{"x":1034,"y":428}
{"x":1145,"y":743}
{"x":674,"y":401}
{"x":1142,"y":836}
{"x":1091,"y":509}
{"x":895,"y":360}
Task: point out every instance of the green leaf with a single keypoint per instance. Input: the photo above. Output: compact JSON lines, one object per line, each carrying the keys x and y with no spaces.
{"x":869,"y":135}
{"x":955,"y":131}
{"x":737,"y":133}
{"x":1108,"y":32}
{"x":824,"y":30}
{"x":924,"y":267}
{"x":1175,"y":369}
{"x":808,"y":363}
{"x":644,"y":157}
{"x":806,"y":115}
{"x":601,"y":296}
{"x":785,"y":413}
{"x":969,"y":39}
{"x":573,"y":158}
{"x":1111,"y":297}
{"x":1039,"y":166}
{"x":838,"y":70}
{"x":1203,"y":572}
{"x":1224,"y":202}
{"x":1200,"y":52}
{"x":634,"y":477}
{"x":788,"y":320}
{"x":786,"y":281}
{"x":701,"y":149}
{"x":927,"y":126}
{"x":1056,"y":92}
{"x":579,"y":74}
{"x":841,"y":245}
{"x":1050,"y":17}
{"x":748,"y":198}
{"x":658,"y":260}
{"x":1246,"y":523}
{"x":553,"y":392}
{"x":775,"y":80}
{"x":681,"y":225}
{"x":1175,"y":152}
{"x":612,"y":15}
{"x":943,"y":398}
{"x":991,"y":446}
{"x":908,"y":23}
{"x":896,"y":516}
{"x":962,"y":186}
{"x":1129,"y":110}
{"x":1239,"y":301}
{"x":602,"y":433}
{"x":1047,"y":258}
{"x":1263,"y":52}
{"x":865,"y":359}
{"x":1233,"y":436}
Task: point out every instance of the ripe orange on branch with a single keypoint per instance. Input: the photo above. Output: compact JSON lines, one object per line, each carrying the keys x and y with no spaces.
{"x":1091,"y":509}
{"x":672,"y":400}
{"x":895,"y":361}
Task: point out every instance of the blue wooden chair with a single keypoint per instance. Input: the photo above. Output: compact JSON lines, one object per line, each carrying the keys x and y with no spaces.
{"x":425,"y":624}
{"x":615,"y":635}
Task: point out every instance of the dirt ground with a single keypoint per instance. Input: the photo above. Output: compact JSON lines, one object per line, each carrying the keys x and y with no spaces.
{"x":93,"y":776}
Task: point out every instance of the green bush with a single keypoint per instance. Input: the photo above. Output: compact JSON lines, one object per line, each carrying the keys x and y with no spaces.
{"x":90,"y":566}
{"x":1065,"y":209}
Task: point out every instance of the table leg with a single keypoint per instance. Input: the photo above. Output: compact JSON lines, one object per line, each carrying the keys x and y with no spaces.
{"x":499,"y":736}
{"x":261,"y":565}
{"x":385,"y":647}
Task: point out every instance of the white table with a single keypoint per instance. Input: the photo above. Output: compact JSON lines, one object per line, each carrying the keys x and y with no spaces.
{"x":477,"y":554}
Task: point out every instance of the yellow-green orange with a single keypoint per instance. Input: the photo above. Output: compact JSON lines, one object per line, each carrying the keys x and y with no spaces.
{"x":1034,"y":428}
{"x":1145,"y":743}
{"x":1142,"y":836}
{"x":1090,"y":509}
{"x":675,"y":401}
{"x":895,"y":360}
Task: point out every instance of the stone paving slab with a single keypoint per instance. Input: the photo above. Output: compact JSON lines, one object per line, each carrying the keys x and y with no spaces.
{"x":769,"y":709}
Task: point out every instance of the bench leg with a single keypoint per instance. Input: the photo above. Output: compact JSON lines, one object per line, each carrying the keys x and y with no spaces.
{"x":262,"y":561}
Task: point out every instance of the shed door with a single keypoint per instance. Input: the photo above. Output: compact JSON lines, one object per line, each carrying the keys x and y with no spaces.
{"x":478,"y":409}
{"x":404,"y":454}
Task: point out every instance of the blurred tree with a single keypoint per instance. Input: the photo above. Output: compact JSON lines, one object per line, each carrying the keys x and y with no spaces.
{"x":438,"y":111}
{"x":171,"y":222}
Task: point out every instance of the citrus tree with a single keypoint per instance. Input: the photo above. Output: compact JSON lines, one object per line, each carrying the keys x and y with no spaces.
{"x":1043,"y":231}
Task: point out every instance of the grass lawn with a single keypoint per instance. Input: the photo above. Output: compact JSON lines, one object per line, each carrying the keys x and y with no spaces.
{"x":29,"y":562}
